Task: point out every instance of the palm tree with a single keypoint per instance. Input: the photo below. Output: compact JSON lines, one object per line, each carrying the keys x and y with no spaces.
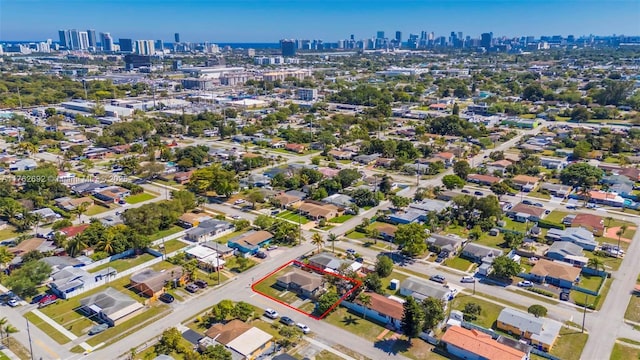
{"x":5,"y":256}
{"x":333,"y":238}
{"x":365,"y":300}
{"x":75,"y":245}
{"x":106,"y":244}
{"x":317,"y":240}
{"x":81,"y":209}
{"x":28,"y":147}
{"x":620,"y":232}
{"x":595,"y":263}
{"x":8,"y":329}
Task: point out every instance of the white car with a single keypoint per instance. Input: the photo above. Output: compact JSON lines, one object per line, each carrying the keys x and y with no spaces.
{"x":525,"y":284}
{"x":12,"y":303}
{"x":468,"y":279}
{"x":271,"y":314}
{"x":305,"y":329}
{"x":238,"y":202}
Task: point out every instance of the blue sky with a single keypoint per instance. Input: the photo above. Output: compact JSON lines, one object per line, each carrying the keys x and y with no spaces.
{"x":330,"y":20}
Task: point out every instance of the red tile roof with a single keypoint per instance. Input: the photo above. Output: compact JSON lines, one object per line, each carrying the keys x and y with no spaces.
{"x":385,"y":306}
{"x":72,"y":231}
{"x":593,"y":221}
{"x":481,"y":344}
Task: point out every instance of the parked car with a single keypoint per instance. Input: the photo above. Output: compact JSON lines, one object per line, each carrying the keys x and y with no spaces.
{"x":305,"y":329}
{"x":238,"y":202}
{"x":272,"y":247}
{"x":271,"y":314}
{"x":468,"y":279}
{"x":98,"y":329}
{"x":564,"y":296}
{"x":47,"y":300}
{"x":478,"y":193}
{"x":465,"y":191}
{"x":236,"y":217}
{"x":275,"y":212}
{"x":527,"y":202}
{"x":36,"y":299}
{"x":287,"y":321}
{"x":166,"y":297}
{"x":192,"y":288}
{"x":261,"y":255}
{"x":201,"y":283}
{"x":525,"y":283}
{"x":438,"y":278}
{"x":572,"y":207}
{"x":351,"y":252}
{"x":538,"y":204}
{"x":13,"y":302}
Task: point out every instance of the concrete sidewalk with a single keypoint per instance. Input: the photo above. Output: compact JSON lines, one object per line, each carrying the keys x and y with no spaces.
{"x":328,"y":348}
{"x":60,"y":329}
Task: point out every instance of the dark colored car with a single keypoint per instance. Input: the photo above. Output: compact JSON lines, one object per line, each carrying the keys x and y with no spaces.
{"x":261,"y":255}
{"x":201,"y":283}
{"x":287,"y":321}
{"x":166,"y":297}
{"x":192,"y":288}
{"x":465,"y":191}
{"x":36,"y":299}
{"x":564,"y":296}
{"x":478,"y":193}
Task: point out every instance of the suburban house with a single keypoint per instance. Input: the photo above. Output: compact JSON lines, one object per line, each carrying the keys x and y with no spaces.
{"x":523,"y":213}
{"x":476,"y":345}
{"x":208,"y":230}
{"x":69,"y":279}
{"x":498,"y":166}
{"x":87,"y":188}
{"x":250,"y":243}
{"x":555,"y":273}
{"x":606,"y":198}
{"x":557,"y":190}
{"x":152,"y":283}
{"x":316,"y":210}
{"x":341,"y":155}
{"x":112,"y":194}
{"x":70,"y":204}
{"x":328,"y":262}
{"x":449,"y":243}
{"x":420,"y":290}
{"x":578,"y":235}
{"x":407,"y":217}
{"x":478,"y":253}
{"x":46,"y":215}
{"x":487,"y":180}
{"x":244,"y":341}
{"x":23,"y":165}
{"x":339,"y":200}
{"x":286,"y":200}
{"x":591,"y":222}
{"x":384,"y":162}
{"x":33,"y":244}
{"x":567,"y":252}
{"x":296,"y":148}
{"x":208,"y":259}
{"x":71,"y":231}
{"x":387,"y":231}
{"x":525,"y":183}
{"x":222,"y":249}
{"x":366,"y":159}
{"x":382,"y":309}
{"x":553,"y":163}
{"x":110,"y":306}
{"x":182,"y":177}
{"x":301,"y":282}
{"x":189,"y":220}
{"x":447,"y":158}
{"x":541,"y":332}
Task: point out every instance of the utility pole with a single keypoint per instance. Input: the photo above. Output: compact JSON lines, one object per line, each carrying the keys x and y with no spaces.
{"x":29,"y":335}
{"x":19,"y":97}
{"x":584,"y":311}
{"x":218,"y":262}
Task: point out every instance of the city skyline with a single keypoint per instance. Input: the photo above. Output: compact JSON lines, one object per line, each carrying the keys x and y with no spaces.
{"x":271,"y":20}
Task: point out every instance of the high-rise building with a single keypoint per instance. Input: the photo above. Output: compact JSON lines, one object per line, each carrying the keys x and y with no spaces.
{"x":399,"y":37}
{"x":75,"y":39}
{"x":83,"y":40}
{"x":106,"y":41}
{"x":126,"y":45}
{"x":380,"y":35}
{"x":93,"y":43}
{"x":159,"y":45}
{"x":486,"y":40}
{"x":65,"y":39}
{"x":145,"y":47}
{"x":288,"y":47}
{"x":176,"y":37}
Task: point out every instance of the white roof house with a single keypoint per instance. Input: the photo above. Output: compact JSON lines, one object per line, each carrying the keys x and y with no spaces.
{"x":250,"y":341}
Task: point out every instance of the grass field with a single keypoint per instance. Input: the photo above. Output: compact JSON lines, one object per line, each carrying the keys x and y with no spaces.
{"x":387,"y":281}
{"x":569,"y":345}
{"x":590,"y":282}
{"x":340,"y":219}
{"x":164,"y":233}
{"x":293,"y":217}
{"x":458,"y":263}
{"x":125,"y":263}
{"x":117,"y":332}
{"x":95,"y":210}
{"x":354,"y":323}
{"x":355,"y":235}
{"x":633,"y":309}
{"x":556,"y":216}
{"x":488,"y":315}
{"x":624,"y":352}
{"x":48,"y":329}
{"x":138,"y":198}
{"x":173,"y":245}
{"x":8,"y":233}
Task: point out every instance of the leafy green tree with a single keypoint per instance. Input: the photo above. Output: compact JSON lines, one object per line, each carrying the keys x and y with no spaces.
{"x":170,"y":341}
{"x":217,"y":352}
{"x":243,"y":311}
{"x":413,"y":318}
{"x":384,"y":266}
{"x":264,"y":222}
{"x":372,"y":282}
{"x":24,"y":281}
{"x":581,"y":150}
{"x":5,"y":256}
{"x":537,"y":310}
{"x":533,"y":92}
{"x":412,"y":238}
{"x":400,"y":201}
{"x":462,"y":169}
{"x":452,"y":181}
{"x":326,"y":301}
{"x":581,"y":175}
{"x":513,"y":240}
{"x":471,"y":311}
{"x":433,"y":311}
{"x":505,"y":267}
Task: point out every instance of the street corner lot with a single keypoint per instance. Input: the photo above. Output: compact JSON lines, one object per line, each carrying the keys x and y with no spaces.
{"x":298,"y":286}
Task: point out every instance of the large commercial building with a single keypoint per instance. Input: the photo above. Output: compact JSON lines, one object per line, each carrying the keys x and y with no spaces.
{"x":93,"y":43}
{"x":288,"y":47}
{"x":145,"y":47}
{"x":126,"y":45}
{"x":106,"y":41}
{"x":133,"y":61}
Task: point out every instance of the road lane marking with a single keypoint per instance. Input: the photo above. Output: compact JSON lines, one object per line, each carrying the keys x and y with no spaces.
{"x":47,"y":349}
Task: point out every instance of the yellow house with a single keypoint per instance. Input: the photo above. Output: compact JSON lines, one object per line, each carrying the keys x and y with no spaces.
{"x":541,"y":332}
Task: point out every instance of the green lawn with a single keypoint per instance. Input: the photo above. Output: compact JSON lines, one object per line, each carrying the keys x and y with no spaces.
{"x":458,"y":263}
{"x":293,"y":217}
{"x":340,"y":219}
{"x":150,"y":352}
{"x":515,"y":225}
{"x":539,"y":195}
{"x":164,"y":233}
{"x":268,"y":287}
{"x":95,"y":210}
{"x":590,"y":282}
{"x":8,"y":233}
{"x":488,"y":240}
{"x":488,"y":315}
{"x":5,"y":357}
{"x":556,"y":216}
{"x":122,"y":330}
{"x":387,"y":281}
{"x":633,"y":310}
{"x":624,"y":352}
{"x":48,"y":329}
{"x":138,"y":198}
{"x":355,"y":235}
{"x":232,"y":264}
{"x":569,"y":345}
{"x":353,"y":322}
{"x":173,"y":245}
{"x":125,"y":263}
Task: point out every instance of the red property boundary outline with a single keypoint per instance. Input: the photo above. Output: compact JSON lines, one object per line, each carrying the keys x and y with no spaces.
{"x":357,"y":283}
